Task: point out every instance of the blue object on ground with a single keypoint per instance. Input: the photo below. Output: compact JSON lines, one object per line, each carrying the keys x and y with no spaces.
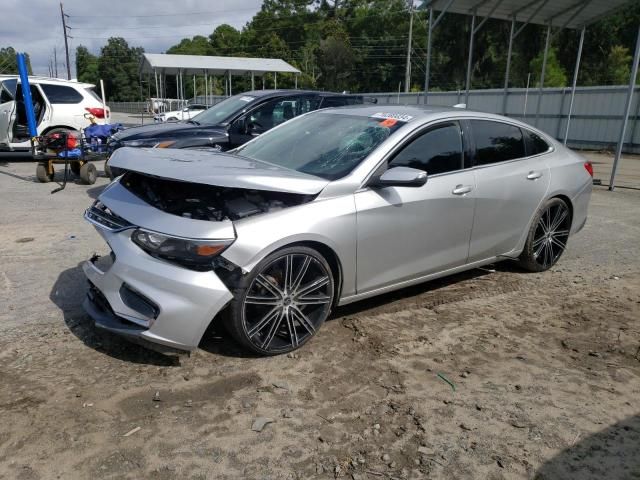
{"x":73,"y":153}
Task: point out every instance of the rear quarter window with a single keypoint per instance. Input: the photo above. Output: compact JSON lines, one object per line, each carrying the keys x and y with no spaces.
{"x":535,"y":143}
{"x":61,"y":94}
{"x":496,"y":142}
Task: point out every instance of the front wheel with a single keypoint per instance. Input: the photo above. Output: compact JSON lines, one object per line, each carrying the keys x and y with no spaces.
{"x":43,"y":175}
{"x":547,"y":237}
{"x":283,"y":302}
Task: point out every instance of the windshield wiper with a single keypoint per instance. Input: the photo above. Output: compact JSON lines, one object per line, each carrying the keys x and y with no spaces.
{"x":193,"y":121}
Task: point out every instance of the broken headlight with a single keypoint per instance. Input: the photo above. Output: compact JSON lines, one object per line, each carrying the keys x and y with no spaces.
{"x":190,"y":253}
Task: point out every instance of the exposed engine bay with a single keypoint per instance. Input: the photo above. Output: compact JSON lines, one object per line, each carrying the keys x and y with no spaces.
{"x":206,"y":202}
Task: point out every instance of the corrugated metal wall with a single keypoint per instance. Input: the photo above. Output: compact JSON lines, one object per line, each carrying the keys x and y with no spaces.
{"x":595,"y":122}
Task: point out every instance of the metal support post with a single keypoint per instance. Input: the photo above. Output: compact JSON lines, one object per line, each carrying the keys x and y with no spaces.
{"x":427,"y":69}
{"x":206,"y":89}
{"x":506,"y":74}
{"x":544,"y":68}
{"x":470,"y":59}
{"x":573,"y":85}
{"x":632,"y":84}
{"x":407,"y":74}
{"x":431,"y":27}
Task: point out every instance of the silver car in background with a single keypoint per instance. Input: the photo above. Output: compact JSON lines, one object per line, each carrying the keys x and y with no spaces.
{"x":330,"y":208}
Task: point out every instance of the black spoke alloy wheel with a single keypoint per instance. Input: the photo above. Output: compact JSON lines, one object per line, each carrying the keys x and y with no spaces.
{"x":284,"y":303}
{"x":548,"y":236}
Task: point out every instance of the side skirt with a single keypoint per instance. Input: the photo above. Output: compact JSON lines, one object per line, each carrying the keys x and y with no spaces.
{"x":422,"y":279}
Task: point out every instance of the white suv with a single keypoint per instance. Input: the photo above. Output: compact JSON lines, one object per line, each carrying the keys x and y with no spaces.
{"x":59,"y":105}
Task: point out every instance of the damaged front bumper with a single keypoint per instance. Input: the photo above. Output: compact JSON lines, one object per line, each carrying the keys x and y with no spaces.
{"x":150,"y":301}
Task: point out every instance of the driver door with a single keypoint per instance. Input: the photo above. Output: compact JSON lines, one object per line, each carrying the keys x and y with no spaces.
{"x":7,"y":110}
{"x":408,"y":232}
{"x":266,"y":116}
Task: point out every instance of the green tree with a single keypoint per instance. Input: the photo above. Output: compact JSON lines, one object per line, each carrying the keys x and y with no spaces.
{"x":118,"y":66}
{"x":197,"y":45}
{"x":8,"y":62}
{"x":226,"y":41}
{"x":86,"y":66}
{"x":555,"y":75}
{"x":618,"y":65}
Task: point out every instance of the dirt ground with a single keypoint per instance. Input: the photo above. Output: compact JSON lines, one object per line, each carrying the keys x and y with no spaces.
{"x":490,"y":374}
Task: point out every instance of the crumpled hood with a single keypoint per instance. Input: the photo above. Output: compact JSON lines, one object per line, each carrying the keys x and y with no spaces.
{"x":218,"y":169}
{"x":167,"y":130}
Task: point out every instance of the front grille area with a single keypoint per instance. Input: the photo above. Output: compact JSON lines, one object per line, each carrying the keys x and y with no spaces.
{"x":100,"y":214}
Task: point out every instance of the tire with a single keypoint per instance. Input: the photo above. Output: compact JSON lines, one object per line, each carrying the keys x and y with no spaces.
{"x":172,"y":119}
{"x":88,"y":173}
{"x":269,"y":319}
{"x":548,"y":236}
{"x":42,"y":175}
{"x":75,"y":168}
{"x":107,"y":170}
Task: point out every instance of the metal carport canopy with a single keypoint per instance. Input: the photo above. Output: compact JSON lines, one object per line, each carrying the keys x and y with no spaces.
{"x":561,"y":13}
{"x":196,"y":64}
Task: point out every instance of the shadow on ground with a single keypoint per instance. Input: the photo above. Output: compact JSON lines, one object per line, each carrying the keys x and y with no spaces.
{"x":612,"y":453}
{"x":69,"y":291}
{"x":94,"y":192}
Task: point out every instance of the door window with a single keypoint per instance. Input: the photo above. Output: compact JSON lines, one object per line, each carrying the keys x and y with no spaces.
{"x":8,"y":90}
{"x":496,"y":141}
{"x":275,"y":112}
{"x":61,"y":94}
{"x":439,"y":150}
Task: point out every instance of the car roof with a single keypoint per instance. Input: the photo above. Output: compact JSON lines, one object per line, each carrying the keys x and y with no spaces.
{"x":292,"y":92}
{"x":49,"y":80}
{"x":419,"y":113}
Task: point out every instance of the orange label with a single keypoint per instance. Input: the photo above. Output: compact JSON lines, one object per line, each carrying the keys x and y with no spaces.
{"x":389,"y":122}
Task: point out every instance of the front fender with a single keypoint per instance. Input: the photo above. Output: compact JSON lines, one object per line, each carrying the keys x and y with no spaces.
{"x":331,"y":222}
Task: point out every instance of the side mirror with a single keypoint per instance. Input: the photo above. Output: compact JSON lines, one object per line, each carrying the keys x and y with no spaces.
{"x":401,"y":177}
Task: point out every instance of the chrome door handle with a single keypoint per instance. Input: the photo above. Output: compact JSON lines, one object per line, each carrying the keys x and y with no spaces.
{"x":534,"y":175}
{"x":462,"y":189}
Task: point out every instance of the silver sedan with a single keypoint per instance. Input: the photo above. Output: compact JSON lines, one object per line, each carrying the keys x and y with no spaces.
{"x":330,"y":208}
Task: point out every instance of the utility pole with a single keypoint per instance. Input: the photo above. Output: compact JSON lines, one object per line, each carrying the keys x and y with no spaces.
{"x":55,"y":61}
{"x":407,"y":75}
{"x":66,"y":43}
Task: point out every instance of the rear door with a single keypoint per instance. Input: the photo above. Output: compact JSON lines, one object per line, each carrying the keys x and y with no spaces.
{"x":7,"y":110}
{"x":510,"y":185}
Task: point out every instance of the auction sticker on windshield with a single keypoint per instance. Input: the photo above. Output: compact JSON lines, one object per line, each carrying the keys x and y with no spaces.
{"x":395,"y":116}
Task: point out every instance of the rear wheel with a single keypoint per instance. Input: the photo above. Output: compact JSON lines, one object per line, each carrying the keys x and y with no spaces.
{"x":88,"y":173}
{"x":547,"y":237}
{"x":283,"y":302}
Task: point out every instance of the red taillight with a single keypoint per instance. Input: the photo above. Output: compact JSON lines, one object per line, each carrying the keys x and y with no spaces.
{"x":96,"y":112}
{"x":589,"y":168}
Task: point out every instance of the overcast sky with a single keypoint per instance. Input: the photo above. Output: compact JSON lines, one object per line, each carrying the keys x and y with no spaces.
{"x":34,"y":26}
